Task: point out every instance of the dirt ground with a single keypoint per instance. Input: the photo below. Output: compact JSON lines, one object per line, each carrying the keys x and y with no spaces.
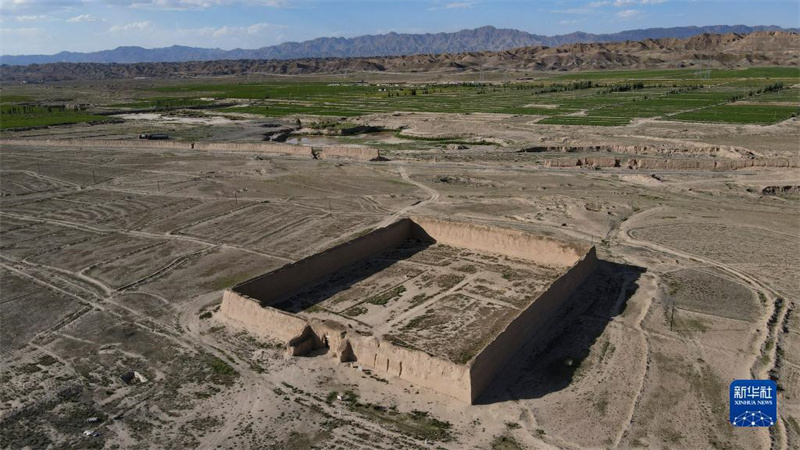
{"x":114,"y":261}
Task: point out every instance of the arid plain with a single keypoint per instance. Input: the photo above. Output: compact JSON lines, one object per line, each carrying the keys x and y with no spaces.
{"x":113,"y":259}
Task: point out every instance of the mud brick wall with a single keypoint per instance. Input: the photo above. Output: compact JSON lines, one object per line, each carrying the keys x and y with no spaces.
{"x":286,"y":149}
{"x":534,"y":321}
{"x":265,"y":322}
{"x":707,"y":150}
{"x":361,"y":153}
{"x":272,"y":286}
{"x":514,"y":243}
{"x":413,"y":365}
{"x":387,"y":359}
{"x":673,"y":164}
{"x":350,"y":152}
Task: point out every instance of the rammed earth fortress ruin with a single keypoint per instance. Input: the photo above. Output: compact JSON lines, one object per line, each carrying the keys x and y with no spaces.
{"x":441,"y":304}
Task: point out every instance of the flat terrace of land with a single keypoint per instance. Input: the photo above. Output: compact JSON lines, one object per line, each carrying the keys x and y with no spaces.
{"x":445,"y":301}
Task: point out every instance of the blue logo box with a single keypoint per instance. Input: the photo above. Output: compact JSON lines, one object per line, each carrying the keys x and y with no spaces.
{"x":753,"y":403}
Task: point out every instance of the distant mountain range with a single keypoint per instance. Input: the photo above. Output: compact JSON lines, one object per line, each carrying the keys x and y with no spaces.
{"x":705,"y":51}
{"x":392,"y":44}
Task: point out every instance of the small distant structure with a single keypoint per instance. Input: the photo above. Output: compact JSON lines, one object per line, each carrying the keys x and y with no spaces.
{"x":154,"y":137}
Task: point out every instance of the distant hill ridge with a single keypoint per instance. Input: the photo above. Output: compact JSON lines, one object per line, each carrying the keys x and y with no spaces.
{"x":486,"y":38}
{"x":773,"y":48}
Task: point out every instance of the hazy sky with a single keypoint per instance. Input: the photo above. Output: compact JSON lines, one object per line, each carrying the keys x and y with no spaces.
{"x":49,"y":26}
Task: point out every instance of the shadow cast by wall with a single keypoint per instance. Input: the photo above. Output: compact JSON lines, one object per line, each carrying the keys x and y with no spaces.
{"x":552,"y":361}
{"x":346,"y":278}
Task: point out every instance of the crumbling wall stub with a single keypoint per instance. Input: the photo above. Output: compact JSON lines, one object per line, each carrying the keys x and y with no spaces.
{"x":514,"y":243}
{"x":530,"y":323}
{"x":601,"y":162}
{"x":332,"y":335}
{"x":306,"y":342}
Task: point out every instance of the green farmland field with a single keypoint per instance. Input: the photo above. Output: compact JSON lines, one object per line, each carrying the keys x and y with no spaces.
{"x":759,"y":96}
{"x":586,"y":98}
{"x":734,"y":113}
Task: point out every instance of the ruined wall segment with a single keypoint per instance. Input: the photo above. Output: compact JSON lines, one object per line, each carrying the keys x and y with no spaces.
{"x":350,"y":152}
{"x":265,"y":322}
{"x":531,"y":323}
{"x":353,"y":152}
{"x":262,"y":147}
{"x":275,"y":285}
{"x":504,"y":241}
{"x":415,"y":366}
{"x":672,"y":163}
{"x":281,"y":149}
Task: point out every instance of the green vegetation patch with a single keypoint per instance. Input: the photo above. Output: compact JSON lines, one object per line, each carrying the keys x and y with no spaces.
{"x":385,"y":297}
{"x":24,"y":116}
{"x":742,"y":114}
{"x":355,"y":311}
{"x":584,"y":120}
{"x":506,"y":442}
{"x":286,"y":109}
{"x":417,"y":424}
{"x":596,"y":98}
{"x":222,"y":372}
{"x":5,"y":98}
{"x":164,"y":103}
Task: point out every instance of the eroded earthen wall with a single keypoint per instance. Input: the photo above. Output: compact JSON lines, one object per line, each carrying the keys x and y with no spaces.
{"x":266,"y":322}
{"x":284,"y":149}
{"x":673,"y":163}
{"x":291,"y":277}
{"x":350,"y":152}
{"x":413,"y":365}
{"x":534,"y":321}
{"x":343,"y":152}
{"x":514,"y":243}
{"x":388,"y":359}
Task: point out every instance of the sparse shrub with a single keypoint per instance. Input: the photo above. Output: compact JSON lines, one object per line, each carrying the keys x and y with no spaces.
{"x":349,"y":397}
{"x":331,"y":397}
{"x":355,"y":311}
{"x":220,"y":367}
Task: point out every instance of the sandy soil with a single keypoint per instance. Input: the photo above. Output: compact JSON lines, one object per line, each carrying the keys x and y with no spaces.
{"x":114,"y":260}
